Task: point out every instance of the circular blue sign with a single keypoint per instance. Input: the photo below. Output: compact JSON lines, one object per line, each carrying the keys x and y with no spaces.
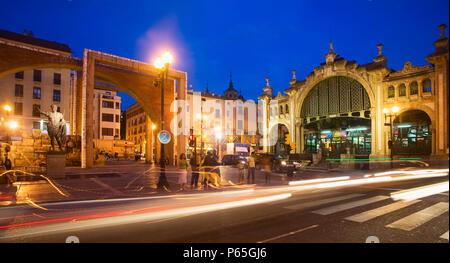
{"x":164,"y":137}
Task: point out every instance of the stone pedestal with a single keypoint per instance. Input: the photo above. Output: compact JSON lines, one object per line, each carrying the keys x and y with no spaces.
{"x":56,"y":165}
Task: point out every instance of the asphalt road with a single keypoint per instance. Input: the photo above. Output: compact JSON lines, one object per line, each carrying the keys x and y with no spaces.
{"x":268,"y":214}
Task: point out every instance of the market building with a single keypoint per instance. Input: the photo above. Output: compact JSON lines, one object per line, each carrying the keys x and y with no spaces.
{"x":363,"y":110}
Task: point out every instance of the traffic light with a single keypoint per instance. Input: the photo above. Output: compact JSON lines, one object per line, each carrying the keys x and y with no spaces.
{"x":192,"y":138}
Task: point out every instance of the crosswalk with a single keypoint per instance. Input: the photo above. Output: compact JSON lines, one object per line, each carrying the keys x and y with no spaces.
{"x":347,"y":202}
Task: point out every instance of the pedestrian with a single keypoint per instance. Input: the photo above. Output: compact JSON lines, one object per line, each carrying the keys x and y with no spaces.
{"x":268,"y":162}
{"x":194,"y":176}
{"x":241,"y":167}
{"x":251,"y":169}
{"x":182,"y":173}
{"x":209,"y":164}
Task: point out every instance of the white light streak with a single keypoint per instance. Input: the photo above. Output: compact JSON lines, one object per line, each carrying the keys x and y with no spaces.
{"x":415,"y":193}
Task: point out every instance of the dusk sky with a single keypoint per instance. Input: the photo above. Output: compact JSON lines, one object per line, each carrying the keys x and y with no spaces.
{"x":251,"y":39}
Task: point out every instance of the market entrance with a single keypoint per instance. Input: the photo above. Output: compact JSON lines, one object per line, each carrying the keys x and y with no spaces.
{"x":412,"y":134}
{"x":336,"y":118}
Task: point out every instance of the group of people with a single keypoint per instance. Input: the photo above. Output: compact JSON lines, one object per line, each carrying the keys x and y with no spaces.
{"x":208,"y":170}
{"x":208,"y":167}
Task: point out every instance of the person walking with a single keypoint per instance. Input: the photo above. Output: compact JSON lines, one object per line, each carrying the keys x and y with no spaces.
{"x":194,"y":176}
{"x":251,"y":169}
{"x":241,"y":167}
{"x":268,"y":162}
{"x":182,"y":175}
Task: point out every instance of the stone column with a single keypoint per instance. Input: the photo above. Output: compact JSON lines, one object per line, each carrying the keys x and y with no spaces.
{"x":87,"y":148}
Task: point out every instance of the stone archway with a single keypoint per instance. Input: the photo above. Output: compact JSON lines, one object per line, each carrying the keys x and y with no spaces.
{"x":134,"y":77}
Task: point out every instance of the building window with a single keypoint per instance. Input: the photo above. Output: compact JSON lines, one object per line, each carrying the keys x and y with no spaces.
{"x":19,"y":75}
{"x":426,"y":85}
{"x":217,"y":114}
{"x":57,"y":78}
{"x":286,"y":109}
{"x":414,"y":88}
{"x":108,"y":104}
{"x":37,"y":125}
{"x":402,"y":90}
{"x":391,"y":92}
{"x":107,"y":131}
{"x":117,"y":133}
{"x":36,"y":110}
{"x":37,"y":75}
{"x":281,"y":109}
{"x":240,"y":125}
{"x":56,"y":95}
{"x":117,"y":118}
{"x":18,"y":107}
{"x":19,"y":90}
{"x":36,"y":93}
{"x":107,"y":117}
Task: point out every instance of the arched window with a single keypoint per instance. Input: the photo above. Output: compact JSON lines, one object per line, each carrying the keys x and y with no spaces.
{"x":391,"y":92}
{"x":286,"y":108}
{"x":426,"y":85}
{"x":414,"y":88}
{"x":402,"y":90}
{"x":281,"y":109}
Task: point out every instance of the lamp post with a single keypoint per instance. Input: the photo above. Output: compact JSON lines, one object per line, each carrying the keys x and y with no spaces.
{"x":162,"y":63}
{"x":391,"y":114}
{"x":201,"y":117}
{"x":11,"y":124}
{"x":219,"y":136}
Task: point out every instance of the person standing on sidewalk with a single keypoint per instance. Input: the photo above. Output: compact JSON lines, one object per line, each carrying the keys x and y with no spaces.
{"x":182,"y":176}
{"x":251,"y":168}
{"x":194,"y":177}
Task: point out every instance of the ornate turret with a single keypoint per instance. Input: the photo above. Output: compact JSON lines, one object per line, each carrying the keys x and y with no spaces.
{"x":294,"y":79}
{"x":331,"y":56}
{"x":380,"y":58}
{"x":441,"y":46}
{"x":267,"y":90}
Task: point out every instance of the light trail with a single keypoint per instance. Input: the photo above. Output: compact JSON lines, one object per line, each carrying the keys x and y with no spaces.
{"x":312,"y":181}
{"x":419,"y":192}
{"x":126,"y":217}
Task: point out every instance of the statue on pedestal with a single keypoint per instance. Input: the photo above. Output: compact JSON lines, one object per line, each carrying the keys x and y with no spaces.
{"x":56,"y":127}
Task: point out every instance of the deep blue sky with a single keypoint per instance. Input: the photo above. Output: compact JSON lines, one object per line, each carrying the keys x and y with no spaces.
{"x":252,"y":39}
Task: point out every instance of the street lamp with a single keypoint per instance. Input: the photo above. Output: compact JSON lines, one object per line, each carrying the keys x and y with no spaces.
{"x":391,"y":114}
{"x":11,"y":124}
{"x":162,"y":63}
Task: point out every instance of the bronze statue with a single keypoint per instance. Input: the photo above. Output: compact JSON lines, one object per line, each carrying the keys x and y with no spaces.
{"x":56,"y":127}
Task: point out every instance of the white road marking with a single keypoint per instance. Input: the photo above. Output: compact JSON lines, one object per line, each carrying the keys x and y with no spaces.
{"x":342,"y":207}
{"x":288,"y":234}
{"x":445,"y":235}
{"x":322,"y":201}
{"x":417,"y":219}
{"x":312,"y":195}
{"x":371,"y":214}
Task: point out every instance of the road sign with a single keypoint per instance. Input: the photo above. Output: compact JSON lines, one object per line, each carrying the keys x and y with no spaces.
{"x":164,"y":137}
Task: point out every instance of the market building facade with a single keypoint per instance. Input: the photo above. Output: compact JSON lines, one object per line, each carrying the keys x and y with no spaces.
{"x":363,"y":110}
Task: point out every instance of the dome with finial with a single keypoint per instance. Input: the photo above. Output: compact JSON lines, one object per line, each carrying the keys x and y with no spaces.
{"x":231,"y":93}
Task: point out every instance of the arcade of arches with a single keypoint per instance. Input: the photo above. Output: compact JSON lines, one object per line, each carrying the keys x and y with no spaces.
{"x":341,"y":107}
